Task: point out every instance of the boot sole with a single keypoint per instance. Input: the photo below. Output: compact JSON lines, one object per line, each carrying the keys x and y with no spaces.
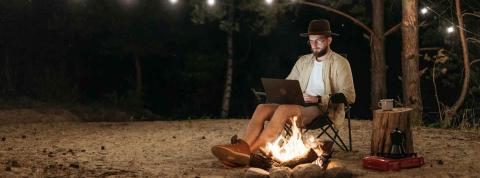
{"x":227,"y":155}
{"x":230,"y":165}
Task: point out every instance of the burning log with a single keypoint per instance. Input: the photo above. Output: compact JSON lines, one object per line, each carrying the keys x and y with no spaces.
{"x":308,"y":158}
{"x":265,"y":162}
{"x":261,"y":161}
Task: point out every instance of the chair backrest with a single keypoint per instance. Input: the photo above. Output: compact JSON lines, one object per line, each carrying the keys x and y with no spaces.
{"x":260,"y":97}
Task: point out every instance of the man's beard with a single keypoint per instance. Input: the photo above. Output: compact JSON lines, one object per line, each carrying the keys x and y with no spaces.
{"x":321,"y":52}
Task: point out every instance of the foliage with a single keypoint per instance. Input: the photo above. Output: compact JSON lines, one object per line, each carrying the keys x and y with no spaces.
{"x":447,"y":64}
{"x":255,"y":14}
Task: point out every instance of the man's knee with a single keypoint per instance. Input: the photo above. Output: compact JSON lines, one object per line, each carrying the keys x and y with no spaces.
{"x":266,"y":107}
{"x":287,"y":112}
{"x":289,"y":109}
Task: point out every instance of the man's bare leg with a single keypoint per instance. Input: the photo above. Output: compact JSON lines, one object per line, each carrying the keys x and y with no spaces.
{"x":262,"y":113}
{"x":275,"y":126}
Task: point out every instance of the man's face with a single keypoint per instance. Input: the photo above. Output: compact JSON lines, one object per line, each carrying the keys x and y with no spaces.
{"x":319,"y":44}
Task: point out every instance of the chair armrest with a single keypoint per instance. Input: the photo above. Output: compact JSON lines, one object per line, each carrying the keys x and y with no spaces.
{"x":258,"y":94}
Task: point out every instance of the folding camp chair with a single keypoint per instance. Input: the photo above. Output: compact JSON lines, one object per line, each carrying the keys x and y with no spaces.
{"x":321,"y":122}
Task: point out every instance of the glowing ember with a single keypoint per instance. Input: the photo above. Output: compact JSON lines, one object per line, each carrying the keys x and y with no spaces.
{"x":283,"y":150}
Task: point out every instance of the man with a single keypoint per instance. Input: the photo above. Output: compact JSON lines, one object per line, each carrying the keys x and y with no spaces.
{"x":323,"y":75}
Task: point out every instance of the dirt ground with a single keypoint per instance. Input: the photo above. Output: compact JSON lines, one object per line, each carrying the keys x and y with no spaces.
{"x":62,"y":148}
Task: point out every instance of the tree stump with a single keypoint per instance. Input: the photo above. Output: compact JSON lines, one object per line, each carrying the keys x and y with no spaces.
{"x":384,"y":123}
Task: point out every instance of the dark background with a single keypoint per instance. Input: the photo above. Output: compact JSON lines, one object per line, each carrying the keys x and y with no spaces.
{"x":82,"y":52}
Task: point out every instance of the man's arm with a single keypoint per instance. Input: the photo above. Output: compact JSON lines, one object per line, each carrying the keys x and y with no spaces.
{"x":344,"y":81}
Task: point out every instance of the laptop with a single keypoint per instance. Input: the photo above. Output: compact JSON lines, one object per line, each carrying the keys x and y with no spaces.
{"x":282,"y":91}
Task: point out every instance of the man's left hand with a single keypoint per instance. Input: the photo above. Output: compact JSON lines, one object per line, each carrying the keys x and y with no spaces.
{"x":310,"y":99}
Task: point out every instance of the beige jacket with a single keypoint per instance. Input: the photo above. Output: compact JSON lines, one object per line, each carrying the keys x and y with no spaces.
{"x":337,"y":77}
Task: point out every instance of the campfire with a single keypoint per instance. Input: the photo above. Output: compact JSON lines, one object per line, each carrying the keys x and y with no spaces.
{"x":290,"y":151}
{"x":284,"y":150}
{"x":293,"y":153}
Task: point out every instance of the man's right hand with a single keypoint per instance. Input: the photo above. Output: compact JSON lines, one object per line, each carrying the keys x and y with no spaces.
{"x":310,"y":99}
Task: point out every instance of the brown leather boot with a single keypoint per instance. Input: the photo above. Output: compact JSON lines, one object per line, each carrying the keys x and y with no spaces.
{"x":236,"y":153}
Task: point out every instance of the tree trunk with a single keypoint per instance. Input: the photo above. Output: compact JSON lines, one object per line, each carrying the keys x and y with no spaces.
{"x":410,"y":70}
{"x":138,"y":76}
{"x":228,"y":79}
{"x":466,"y":64}
{"x":228,"y":76}
{"x":384,"y":122}
{"x":378,"y":71}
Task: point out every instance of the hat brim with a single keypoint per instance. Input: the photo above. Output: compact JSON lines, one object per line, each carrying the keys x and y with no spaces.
{"x":318,"y":33}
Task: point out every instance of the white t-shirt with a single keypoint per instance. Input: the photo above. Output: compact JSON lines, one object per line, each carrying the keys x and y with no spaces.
{"x":315,"y":86}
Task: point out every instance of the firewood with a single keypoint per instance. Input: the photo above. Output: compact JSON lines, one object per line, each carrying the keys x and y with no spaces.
{"x":261,"y":161}
{"x":308,"y":158}
{"x":326,"y":146}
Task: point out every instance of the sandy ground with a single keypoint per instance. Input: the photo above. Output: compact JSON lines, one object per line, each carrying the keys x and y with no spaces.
{"x":182,"y":149}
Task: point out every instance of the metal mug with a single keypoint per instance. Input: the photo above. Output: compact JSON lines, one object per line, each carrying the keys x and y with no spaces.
{"x":386,"y":104}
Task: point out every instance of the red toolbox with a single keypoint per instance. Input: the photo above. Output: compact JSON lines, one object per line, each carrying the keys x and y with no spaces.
{"x":385,"y":164}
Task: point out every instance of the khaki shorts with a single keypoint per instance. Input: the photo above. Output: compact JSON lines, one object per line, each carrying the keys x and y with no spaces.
{"x":309,"y":113}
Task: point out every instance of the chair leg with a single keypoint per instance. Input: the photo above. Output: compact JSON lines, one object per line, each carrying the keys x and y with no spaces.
{"x":288,"y":130}
{"x":334,"y":138}
{"x":349,"y":132}
{"x":340,"y":138}
{"x":323,"y":132}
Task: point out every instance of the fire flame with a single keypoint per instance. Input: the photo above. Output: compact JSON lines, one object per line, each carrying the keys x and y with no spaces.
{"x":283,"y":150}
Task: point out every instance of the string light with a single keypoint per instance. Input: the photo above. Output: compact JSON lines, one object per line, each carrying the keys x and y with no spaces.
{"x":424,"y":10}
{"x":450,"y":29}
{"x":211,"y":2}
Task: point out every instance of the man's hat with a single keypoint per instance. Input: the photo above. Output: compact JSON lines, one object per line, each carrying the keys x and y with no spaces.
{"x":319,"y":27}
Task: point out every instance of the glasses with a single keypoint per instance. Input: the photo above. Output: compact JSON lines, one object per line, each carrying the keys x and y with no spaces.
{"x":316,"y":41}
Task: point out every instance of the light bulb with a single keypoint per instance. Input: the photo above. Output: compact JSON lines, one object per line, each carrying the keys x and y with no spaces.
{"x":424,"y":10}
{"x":211,"y":2}
{"x":450,"y":29}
